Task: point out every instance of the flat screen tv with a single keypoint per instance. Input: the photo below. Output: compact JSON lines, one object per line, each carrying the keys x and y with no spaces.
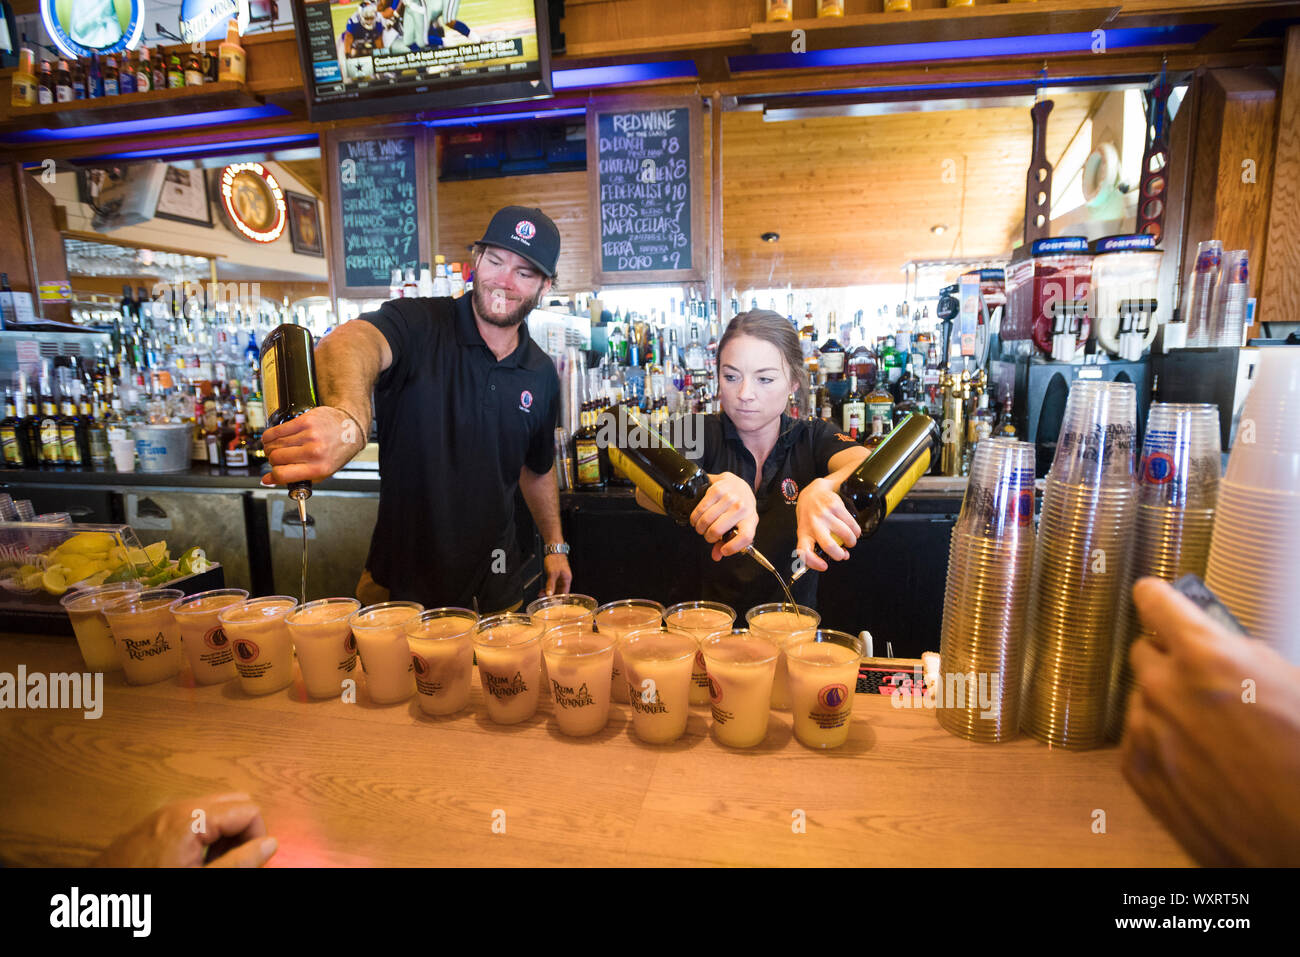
{"x":392,"y":56}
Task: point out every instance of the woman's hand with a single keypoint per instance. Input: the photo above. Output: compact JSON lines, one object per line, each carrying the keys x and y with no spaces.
{"x":729,"y":503}
{"x":821,"y":514}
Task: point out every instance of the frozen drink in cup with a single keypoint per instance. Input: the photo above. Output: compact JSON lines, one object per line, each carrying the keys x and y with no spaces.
{"x":701,"y":619}
{"x":777,"y":622}
{"x":380,"y":631}
{"x":509,"y":652}
{"x":442,"y":654}
{"x":580,"y":662}
{"x":207,"y":647}
{"x":552,"y":610}
{"x":741,"y":667}
{"x":147,"y":636}
{"x":85,"y":610}
{"x":823,"y":678}
{"x":658,"y":664}
{"x":322,"y":637}
{"x":618,"y":618}
{"x":260,"y":639}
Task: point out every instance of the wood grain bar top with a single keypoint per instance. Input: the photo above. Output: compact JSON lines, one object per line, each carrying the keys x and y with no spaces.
{"x":359,"y":784}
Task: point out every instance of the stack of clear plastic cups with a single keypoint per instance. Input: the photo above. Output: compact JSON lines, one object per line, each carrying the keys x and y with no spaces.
{"x":552,"y":610}
{"x":1083,"y":540}
{"x":1202,"y":293}
{"x":1254,"y":563}
{"x":1178,"y":483}
{"x":1230,"y":304}
{"x":989,"y":572}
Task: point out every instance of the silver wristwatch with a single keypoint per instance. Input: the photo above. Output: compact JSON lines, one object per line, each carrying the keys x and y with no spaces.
{"x":561,"y":549}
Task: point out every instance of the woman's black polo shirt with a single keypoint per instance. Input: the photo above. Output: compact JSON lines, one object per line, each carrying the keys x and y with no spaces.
{"x":802,"y":453}
{"x":455,"y":427}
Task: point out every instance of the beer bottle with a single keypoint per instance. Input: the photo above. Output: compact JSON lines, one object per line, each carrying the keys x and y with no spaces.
{"x":51,"y":450}
{"x":10,"y":434}
{"x":94,"y":78}
{"x":63,"y":84}
{"x":874,"y":489}
{"x":158,"y":65}
{"x":175,"y":73}
{"x":45,"y":84}
{"x":194,"y":70}
{"x":126,"y":73}
{"x":31,"y":422}
{"x":143,"y":71}
{"x":109,"y":73}
{"x":289,"y":386}
{"x":100,"y":452}
{"x":586,"y":450}
{"x":78,"y":71}
{"x":71,"y":433}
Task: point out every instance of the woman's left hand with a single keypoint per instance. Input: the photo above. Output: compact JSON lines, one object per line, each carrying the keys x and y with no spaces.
{"x":822,"y":518}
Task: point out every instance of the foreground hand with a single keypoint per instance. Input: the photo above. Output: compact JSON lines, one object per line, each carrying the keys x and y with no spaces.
{"x":821,"y":514}
{"x":558,"y":574}
{"x":729,"y":503}
{"x":230,"y":829}
{"x":1212,"y":739}
{"x":311,"y":447}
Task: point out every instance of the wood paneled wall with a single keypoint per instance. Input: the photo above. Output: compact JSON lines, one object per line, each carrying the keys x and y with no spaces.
{"x":1280,"y":270}
{"x":1232,"y":166}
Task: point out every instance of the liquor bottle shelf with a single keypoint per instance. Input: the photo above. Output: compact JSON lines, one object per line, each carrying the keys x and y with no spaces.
{"x":127,"y":107}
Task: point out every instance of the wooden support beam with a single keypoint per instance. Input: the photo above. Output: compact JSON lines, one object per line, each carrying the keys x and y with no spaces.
{"x":1279,"y":284}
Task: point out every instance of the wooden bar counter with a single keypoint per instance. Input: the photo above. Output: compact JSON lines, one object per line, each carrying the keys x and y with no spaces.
{"x":359,"y":784}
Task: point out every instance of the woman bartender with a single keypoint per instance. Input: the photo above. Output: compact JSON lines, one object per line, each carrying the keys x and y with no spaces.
{"x":774,"y":479}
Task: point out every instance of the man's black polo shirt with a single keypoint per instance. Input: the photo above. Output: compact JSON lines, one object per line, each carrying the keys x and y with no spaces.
{"x":802,"y":453}
{"x":455,"y":427}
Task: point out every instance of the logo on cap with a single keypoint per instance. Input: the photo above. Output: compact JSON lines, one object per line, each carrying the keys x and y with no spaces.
{"x":525,"y":229}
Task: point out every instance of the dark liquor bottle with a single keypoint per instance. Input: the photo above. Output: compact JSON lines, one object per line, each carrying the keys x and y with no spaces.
{"x":32,"y":424}
{"x":673,"y":482}
{"x":289,"y":386}
{"x":51,"y":450}
{"x":45,"y":92}
{"x":78,"y":71}
{"x":590,"y":471}
{"x":94,"y":78}
{"x":11,"y":434}
{"x":853,"y":408}
{"x":875,"y":487}
{"x":63,"y":92}
{"x":72,"y":433}
{"x":111,"y":86}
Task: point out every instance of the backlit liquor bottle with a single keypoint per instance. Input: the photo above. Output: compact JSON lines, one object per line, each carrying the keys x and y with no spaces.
{"x":175,"y":72}
{"x":590,"y":471}
{"x":94,"y":78}
{"x":143,"y":71}
{"x":877,"y":433}
{"x":194,"y":75}
{"x":31,"y":420}
{"x":78,"y":71}
{"x":45,"y":84}
{"x":853,"y":408}
{"x":11,"y":434}
{"x":880,"y":401}
{"x":237,"y":446}
{"x":97,"y":434}
{"x":72,"y":433}
{"x":289,"y":387}
{"x":874,"y":489}
{"x":832,"y":355}
{"x":158,"y":64}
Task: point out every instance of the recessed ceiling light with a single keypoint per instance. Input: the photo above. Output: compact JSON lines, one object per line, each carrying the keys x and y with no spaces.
{"x":938,"y":229}
{"x":770,"y":237}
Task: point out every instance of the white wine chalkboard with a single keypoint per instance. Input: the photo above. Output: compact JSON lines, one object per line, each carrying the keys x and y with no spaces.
{"x":643,"y":176}
{"x":379,"y":207}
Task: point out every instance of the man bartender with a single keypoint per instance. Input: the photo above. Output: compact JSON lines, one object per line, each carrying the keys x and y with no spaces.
{"x":467,"y":406}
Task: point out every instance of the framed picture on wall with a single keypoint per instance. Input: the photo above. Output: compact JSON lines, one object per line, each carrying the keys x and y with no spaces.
{"x":185,"y":197}
{"x":304,"y":224}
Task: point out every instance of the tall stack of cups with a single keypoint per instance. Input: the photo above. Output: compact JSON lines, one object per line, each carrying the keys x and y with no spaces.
{"x":989,"y":569}
{"x":1178,"y":483}
{"x":1203,"y":293}
{"x":1083,"y":539}
{"x":1254,"y":564}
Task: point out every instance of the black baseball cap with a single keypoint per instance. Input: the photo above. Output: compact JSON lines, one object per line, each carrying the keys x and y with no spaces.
{"x":528,"y":232}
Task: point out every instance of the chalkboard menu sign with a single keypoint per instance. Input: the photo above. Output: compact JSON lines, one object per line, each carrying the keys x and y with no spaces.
{"x":643,"y":176}
{"x":379,"y":208}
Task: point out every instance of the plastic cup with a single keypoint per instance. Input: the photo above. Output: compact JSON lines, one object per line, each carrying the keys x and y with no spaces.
{"x":123,"y":454}
{"x":701,"y":619}
{"x":327,"y":650}
{"x":1180,"y":456}
{"x":552,"y":610}
{"x":380,"y":631}
{"x":659,"y":664}
{"x":207,"y":647}
{"x":1266,"y":453}
{"x":619,"y":618}
{"x":1202,"y":292}
{"x":509,"y":652}
{"x":999,"y":500}
{"x":778,"y":622}
{"x":147,"y":636}
{"x":741,"y":667}
{"x":442,"y":655}
{"x":1098,"y":435}
{"x":580,"y":663}
{"x":263,"y":649}
{"x":85,"y":609}
{"x":823,"y":679}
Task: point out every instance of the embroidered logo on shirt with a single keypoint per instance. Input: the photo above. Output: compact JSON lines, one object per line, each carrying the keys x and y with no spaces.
{"x":525,"y":401}
{"x":790,"y":489}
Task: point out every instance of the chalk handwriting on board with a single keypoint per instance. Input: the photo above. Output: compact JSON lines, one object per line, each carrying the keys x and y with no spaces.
{"x":644,"y":190}
{"x":379,"y":214}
